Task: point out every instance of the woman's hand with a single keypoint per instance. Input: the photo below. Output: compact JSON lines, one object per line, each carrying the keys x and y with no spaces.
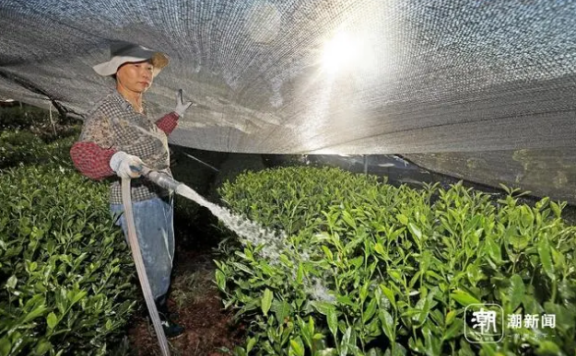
{"x":125,"y":165}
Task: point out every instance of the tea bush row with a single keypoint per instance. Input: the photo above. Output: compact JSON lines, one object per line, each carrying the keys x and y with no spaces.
{"x":18,"y":118}
{"x":66,"y":276}
{"x":23,"y":147}
{"x":371,"y":269}
{"x":37,"y":120}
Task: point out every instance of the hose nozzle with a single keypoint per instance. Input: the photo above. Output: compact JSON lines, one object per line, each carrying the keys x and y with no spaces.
{"x":161,"y":179}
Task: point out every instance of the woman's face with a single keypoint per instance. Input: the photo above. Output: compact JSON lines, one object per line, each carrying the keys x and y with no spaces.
{"x":136,"y":77}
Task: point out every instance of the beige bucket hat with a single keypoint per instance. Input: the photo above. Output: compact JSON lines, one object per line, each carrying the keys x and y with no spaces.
{"x":124,"y":52}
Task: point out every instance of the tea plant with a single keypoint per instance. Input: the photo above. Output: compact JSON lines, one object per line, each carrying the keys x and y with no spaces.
{"x":66,"y":276}
{"x":22,"y":147}
{"x":22,"y":118}
{"x":370,"y":269}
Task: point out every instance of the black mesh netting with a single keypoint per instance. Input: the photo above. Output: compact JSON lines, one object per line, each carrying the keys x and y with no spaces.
{"x":480,"y":89}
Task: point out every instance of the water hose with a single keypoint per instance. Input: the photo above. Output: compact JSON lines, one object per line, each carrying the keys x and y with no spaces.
{"x":166,"y":182}
{"x":159,"y":178}
{"x":200,"y":161}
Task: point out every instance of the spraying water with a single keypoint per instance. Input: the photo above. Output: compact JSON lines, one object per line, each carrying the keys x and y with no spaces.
{"x":254,"y":233}
{"x":248,"y":230}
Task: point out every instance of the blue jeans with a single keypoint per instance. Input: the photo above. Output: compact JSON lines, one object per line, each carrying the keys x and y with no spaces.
{"x":154,"y":220}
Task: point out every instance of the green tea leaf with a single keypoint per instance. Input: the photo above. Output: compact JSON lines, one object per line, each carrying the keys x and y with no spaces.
{"x":287,"y":332}
{"x":249,"y":254}
{"x":546,"y":258}
{"x":345,"y":344}
{"x":357,"y":261}
{"x":493,"y":250}
{"x":51,"y":320}
{"x":559,"y":259}
{"x":78,"y":296}
{"x":519,"y":242}
{"x":527,"y":218}
{"x":556,"y":209}
{"x":305,"y":333}
{"x":565,"y":317}
{"x":389,"y":294}
{"x":364,"y":291}
{"x":454,"y":330}
{"x":5,"y":346}
{"x":435,"y":275}
{"x":565,"y":289}
{"x":297,"y":346}
{"x":388,"y":325}
{"x":243,"y":267}
{"x":547,"y":347}
{"x":432,"y":343}
{"x":300,"y":274}
{"x":464,"y":298}
{"x":328,"y":253}
{"x":348,"y":219}
{"x":466,"y":350}
{"x":266,"y":268}
{"x":516,"y":291}
{"x":311,"y":325}
{"x":267,"y":301}
{"x":402,"y":218}
{"x":239,"y":351}
{"x":322,"y":307}
{"x":415,"y":231}
{"x":221,"y":280}
{"x":423,"y":306}
{"x":379,"y":248}
{"x":345,"y":300}
{"x":281,"y":309}
{"x":397,"y":276}
{"x":11,"y":283}
{"x":250,"y":344}
{"x":370,"y":311}
{"x":38,"y":311}
{"x":450,"y":317}
{"x":333,"y":322}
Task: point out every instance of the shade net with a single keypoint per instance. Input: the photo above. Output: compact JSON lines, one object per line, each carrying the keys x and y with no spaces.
{"x":479,"y":89}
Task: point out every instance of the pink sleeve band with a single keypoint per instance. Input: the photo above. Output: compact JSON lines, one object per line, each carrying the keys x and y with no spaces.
{"x":92,"y":160}
{"x":168,"y":122}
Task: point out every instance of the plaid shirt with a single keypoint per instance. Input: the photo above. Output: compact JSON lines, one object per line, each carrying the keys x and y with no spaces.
{"x":114,"y":126}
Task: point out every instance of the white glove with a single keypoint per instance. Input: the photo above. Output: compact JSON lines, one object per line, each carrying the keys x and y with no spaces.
{"x":181,"y":106}
{"x":121,"y":163}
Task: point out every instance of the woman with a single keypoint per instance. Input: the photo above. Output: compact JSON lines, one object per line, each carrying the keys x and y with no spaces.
{"x":116,"y":135}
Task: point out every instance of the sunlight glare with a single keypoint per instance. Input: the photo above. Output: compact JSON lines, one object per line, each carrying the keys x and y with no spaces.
{"x":340,"y":53}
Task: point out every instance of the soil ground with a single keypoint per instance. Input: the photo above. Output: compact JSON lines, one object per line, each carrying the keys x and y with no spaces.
{"x":195,"y":300}
{"x":210,"y":330}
